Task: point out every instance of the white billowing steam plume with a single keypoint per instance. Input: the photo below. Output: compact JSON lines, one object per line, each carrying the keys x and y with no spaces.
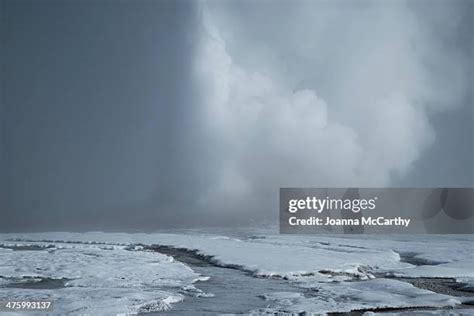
{"x":318,"y":94}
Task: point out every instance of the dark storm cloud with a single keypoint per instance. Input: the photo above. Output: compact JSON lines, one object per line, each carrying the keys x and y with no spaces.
{"x":147,"y":114}
{"x":92,"y":109}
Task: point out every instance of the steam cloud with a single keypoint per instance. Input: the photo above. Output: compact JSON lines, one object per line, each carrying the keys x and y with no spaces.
{"x":308,"y":94}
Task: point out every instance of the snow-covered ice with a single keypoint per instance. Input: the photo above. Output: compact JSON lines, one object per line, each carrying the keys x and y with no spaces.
{"x":359,"y":295}
{"x":95,"y":278}
{"x":333,"y":273}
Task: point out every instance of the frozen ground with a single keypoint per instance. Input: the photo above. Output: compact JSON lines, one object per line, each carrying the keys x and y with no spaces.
{"x":268,"y":273}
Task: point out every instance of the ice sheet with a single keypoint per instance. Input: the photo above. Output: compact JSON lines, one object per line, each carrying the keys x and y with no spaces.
{"x":337,"y":271}
{"x":94,"y":279}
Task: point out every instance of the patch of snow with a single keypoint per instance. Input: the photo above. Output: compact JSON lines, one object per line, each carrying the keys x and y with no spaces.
{"x":457,"y":269}
{"x":358,"y":295}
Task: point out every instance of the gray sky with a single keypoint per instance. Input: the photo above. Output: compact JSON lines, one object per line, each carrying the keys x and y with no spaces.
{"x":151,"y":114}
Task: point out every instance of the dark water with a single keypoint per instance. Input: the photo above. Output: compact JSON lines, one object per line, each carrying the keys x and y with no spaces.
{"x":235,"y":291}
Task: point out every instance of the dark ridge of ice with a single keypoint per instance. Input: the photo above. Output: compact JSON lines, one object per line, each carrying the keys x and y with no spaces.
{"x":337,"y":249}
{"x":360,"y":276}
{"x":36,"y":283}
{"x":467,"y":287}
{"x":422,"y":311}
{"x":26,"y":247}
{"x":80,"y":242}
{"x":256,"y":237}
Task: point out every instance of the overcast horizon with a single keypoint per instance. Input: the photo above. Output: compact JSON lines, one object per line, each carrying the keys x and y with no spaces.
{"x":162,"y":114}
